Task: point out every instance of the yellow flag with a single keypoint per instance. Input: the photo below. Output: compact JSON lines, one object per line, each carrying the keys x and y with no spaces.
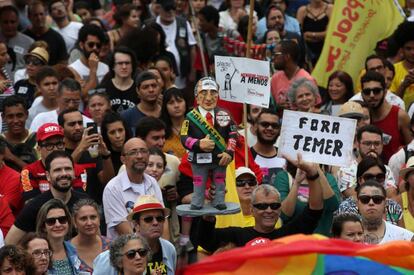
{"x":353,"y":32}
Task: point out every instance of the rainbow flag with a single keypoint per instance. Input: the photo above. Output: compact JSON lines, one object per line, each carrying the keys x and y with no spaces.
{"x":310,"y":254}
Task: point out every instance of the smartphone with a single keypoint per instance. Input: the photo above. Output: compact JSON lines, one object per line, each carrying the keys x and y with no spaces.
{"x":94,"y":129}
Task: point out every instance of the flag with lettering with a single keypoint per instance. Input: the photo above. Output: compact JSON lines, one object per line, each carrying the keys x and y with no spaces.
{"x":353,"y":32}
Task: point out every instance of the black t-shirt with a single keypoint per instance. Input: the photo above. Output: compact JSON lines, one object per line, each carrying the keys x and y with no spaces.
{"x":94,"y":187}
{"x":156,"y":263}
{"x":121,"y":100}
{"x":25,"y":89}
{"x":57,"y":47}
{"x":26,"y":220}
{"x":94,"y":4}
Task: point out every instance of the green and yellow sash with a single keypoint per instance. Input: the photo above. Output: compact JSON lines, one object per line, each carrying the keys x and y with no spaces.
{"x":207,"y":129}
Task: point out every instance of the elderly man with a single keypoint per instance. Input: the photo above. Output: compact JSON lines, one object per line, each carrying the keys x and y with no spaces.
{"x":148,"y":217}
{"x":265,"y":207}
{"x":121,"y":192}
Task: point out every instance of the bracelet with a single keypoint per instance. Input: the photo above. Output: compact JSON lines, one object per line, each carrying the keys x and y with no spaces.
{"x":314,"y":177}
{"x":107,"y":156}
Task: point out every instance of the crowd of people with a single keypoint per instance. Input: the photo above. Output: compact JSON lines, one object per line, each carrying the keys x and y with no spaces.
{"x":98,"y":146}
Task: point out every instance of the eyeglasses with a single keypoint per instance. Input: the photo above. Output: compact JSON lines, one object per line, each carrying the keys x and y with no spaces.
{"x":371,"y":143}
{"x":69,"y":100}
{"x":52,"y":221}
{"x":368,"y":91}
{"x":365,"y":199}
{"x":242,"y":183}
{"x":264,"y":206}
{"x":38,"y":253}
{"x":379,"y":177}
{"x":49,"y":146}
{"x":33,"y":61}
{"x":135,"y":153}
{"x":97,"y":91}
{"x":130,"y":254}
{"x":94,"y":44}
{"x":266,"y":125}
{"x":150,"y":219}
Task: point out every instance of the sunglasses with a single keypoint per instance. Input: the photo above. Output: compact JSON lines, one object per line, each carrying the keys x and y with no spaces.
{"x":130,"y":254}
{"x":100,"y":91}
{"x":150,"y":219}
{"x":33,"y":61}
{"x":265,"y":125}
{"x":52,"y":221}
{"x":264,"y":206}
{"x":242,"y":183}
{"x":368,"y":91}
{"x":93,"y":44}
{"x":365,"y":199}
{"x":378,"y":177}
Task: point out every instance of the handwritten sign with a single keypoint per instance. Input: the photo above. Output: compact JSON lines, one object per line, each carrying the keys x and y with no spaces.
{"x":319,"y":138}
{"x":243,"y":80}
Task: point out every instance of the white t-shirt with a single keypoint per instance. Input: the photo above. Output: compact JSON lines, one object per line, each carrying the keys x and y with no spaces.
{"x":34,"y":111}
{"x":170,"y":33}
{"x":396,"y":233}
{"x":20,"y":74}
{"x":70,"y":34}
{"x":83,"y":71}
{"x":50,"y":117}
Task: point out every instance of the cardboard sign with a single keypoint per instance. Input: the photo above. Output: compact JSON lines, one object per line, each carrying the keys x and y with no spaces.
{"x":243,"y":80}
{"x":319,"y":138}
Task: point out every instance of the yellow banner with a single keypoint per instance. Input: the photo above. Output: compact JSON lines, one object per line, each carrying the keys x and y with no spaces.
{"x":353,"y":32}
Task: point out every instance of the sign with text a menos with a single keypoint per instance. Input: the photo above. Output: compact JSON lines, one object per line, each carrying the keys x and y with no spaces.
{"x":319,"y":138}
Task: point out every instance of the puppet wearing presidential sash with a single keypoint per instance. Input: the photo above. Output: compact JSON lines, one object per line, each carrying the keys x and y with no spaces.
{"x":210,"y":135}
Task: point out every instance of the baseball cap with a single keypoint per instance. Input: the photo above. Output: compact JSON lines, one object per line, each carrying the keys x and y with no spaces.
{"x":244,"y":170}
{"x":351,"y":109}
{"x":48,"y":130}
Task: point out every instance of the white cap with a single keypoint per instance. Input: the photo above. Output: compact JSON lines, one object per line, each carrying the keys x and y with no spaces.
{"x":244,"y":170}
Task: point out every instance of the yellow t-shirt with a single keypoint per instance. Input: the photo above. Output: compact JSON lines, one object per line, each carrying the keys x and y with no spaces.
{"x":408,"y":218}
{"x":400,"y":73}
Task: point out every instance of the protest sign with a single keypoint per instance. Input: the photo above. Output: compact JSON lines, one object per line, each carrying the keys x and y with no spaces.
{"x":353,"y":32}
{"x":243,"y":80}
{"x":319,"y":138}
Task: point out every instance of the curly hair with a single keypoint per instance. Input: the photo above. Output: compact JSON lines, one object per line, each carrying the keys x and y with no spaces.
{"x":115,"y":250}
{"x":18,"y":258}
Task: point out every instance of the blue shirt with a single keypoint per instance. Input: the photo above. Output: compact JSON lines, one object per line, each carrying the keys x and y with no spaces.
{"x":291,"y":25}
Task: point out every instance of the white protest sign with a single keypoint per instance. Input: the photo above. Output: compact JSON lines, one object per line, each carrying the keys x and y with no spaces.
{"x":319,"y":138}
{"x":243,"y":80}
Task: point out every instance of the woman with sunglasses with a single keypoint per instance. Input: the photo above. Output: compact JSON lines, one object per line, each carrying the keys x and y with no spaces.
{"x":372,"y":168}
{"x":88,"y":243}
{"x":39,"y":248}
{"x":115,"y":133}
{"x":340,"y":90}
{"x":293,"y":186}
{"x":372,"y":207}
{"x":129,"y":254}
{"x":55,"y":223}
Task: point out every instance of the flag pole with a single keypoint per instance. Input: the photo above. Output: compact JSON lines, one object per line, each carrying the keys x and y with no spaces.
{"x":203,"y":61}
{"x":249,"y":45}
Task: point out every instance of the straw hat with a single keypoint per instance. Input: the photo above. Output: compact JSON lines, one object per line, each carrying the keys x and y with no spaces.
{"x":351,"y":109}
{"x":147,"y":202}
{"x":409,"y":168}
{"x":40,"y":53}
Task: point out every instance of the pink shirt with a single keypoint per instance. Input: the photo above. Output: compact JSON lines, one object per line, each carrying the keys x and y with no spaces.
{"x":280,"y":85}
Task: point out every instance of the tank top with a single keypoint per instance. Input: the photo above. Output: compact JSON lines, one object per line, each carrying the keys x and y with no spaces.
{"x":408,"y":218}
{"x":389,"y":125}
{"x":312,"y":23}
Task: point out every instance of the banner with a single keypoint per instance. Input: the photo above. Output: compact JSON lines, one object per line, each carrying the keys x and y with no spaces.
{"x":319,"y":138}
{"x":243,"y":80}
{"x":353,"y":32}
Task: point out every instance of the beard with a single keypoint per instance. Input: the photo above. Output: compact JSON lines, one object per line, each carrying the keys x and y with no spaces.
{"x":263,"y":140}
{"x":88,"y":53}
{"x":376,"y":107}
{"x":60,"y":188}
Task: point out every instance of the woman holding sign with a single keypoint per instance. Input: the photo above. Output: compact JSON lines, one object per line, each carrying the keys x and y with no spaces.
{"x":303,"y":95}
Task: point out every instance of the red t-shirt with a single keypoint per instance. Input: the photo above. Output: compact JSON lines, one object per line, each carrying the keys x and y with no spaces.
{"x":10,"y":188}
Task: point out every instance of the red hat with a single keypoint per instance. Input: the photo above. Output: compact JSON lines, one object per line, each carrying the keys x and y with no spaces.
{"x":48,"y":130}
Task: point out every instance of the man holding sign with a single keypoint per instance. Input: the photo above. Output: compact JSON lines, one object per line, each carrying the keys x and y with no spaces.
{"x":210,"y":135}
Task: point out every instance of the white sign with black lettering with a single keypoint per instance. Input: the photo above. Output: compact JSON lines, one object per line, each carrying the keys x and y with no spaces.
{"x":243,"y":80}
{"x":319,"y":138}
